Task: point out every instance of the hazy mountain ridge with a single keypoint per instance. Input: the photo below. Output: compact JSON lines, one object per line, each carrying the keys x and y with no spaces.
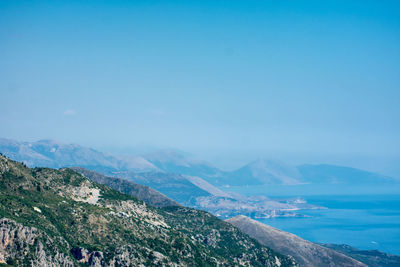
{"x":306,"y":253}
{"x":190,"y":182}
{"x":84,"y":223}
{"x":174,"y":161}
{"x":54,"y":154}
{"x":262,"y":171}
{"x":332,"y":174}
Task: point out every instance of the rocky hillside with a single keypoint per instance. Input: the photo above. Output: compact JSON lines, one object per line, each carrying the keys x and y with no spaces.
{"x":305,"y":253}
{"x":145,"y":193}
{"x":60,"y":218}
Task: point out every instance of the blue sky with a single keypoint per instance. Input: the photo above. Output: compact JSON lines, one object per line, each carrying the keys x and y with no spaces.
{"x":303,"y":81}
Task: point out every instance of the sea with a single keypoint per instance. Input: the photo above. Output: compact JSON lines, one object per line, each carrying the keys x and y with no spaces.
{"x":366,"y":219}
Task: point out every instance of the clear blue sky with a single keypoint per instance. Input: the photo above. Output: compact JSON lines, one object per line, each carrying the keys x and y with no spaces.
{"x":304,"y":81}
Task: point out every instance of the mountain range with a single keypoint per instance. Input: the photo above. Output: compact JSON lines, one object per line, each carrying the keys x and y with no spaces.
{"x":67,"y":215}
{"x":172,"y":175}
{"x":53,"y":154}
{"x":50,"y":153}
{"x":59,"y":217}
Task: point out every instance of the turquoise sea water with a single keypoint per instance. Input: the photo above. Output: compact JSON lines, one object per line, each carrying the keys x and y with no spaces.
{"x":369,"y":221}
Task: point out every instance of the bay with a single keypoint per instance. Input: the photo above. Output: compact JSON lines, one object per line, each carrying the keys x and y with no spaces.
{"x":364,"y":221}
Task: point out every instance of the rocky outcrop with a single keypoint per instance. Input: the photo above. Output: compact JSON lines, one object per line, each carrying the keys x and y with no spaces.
{"x":22,"y":245}
{"x":145,"y":193}
{"x":93,"y":258}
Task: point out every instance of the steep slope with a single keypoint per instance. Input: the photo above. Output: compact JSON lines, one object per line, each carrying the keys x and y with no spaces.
{"x":59,"y":217}
{"x":175,"y":186}
{"x":305,"y":253}
{"x":373,"y":258}
{"x":145,"y":193}
{"x":201,"y":183}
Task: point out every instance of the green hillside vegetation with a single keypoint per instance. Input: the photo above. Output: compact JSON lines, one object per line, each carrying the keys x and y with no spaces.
{"x":145,"y":193}
{"x":60,"y":217}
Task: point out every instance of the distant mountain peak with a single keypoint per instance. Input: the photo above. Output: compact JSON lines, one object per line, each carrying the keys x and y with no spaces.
{"x":268,"y":171}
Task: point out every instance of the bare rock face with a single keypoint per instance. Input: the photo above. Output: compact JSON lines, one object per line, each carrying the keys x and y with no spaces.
{"x":93,"y":258}
{"x":22,"y":242}
{"x":96,"y":259}
{"x":304,"y":252}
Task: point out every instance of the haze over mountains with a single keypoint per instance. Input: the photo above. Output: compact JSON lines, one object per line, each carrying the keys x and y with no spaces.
{"x":54,"y":154}
{"x":50,"y":153}
{"x":194,"y":183}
